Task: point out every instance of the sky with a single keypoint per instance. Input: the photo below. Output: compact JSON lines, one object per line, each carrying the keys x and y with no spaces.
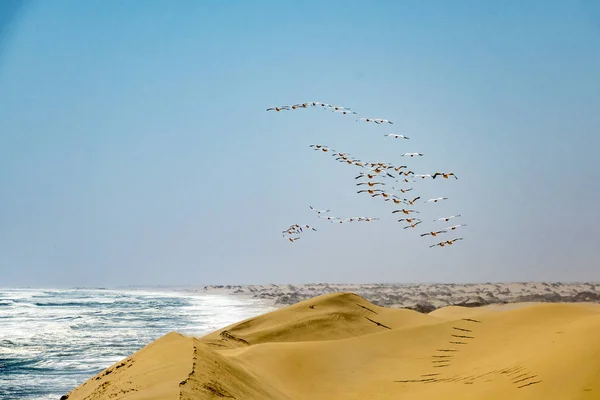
{"x":135,"y":146}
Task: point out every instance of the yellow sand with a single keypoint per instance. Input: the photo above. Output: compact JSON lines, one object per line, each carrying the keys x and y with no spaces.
{"x":330,"y":347}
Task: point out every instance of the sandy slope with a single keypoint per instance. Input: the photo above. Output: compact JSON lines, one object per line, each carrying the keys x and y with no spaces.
{"x":339,"y":346}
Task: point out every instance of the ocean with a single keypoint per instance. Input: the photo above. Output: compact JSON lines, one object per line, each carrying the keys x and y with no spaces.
{"x":53,"y":340}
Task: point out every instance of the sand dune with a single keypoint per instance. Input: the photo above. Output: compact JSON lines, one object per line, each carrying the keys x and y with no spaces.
{"x":340,"y":346}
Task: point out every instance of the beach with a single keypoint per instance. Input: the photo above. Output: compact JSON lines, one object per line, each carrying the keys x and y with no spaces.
{"x":340,"y":345}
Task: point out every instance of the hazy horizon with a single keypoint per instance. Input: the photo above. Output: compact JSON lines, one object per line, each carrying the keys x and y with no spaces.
{"x":135,"y":148}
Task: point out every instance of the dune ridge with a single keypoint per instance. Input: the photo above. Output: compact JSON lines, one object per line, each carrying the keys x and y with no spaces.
{"x":341,"y":346}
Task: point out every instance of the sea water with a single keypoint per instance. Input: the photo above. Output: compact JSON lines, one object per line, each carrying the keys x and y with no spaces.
{"x":53,"y":340}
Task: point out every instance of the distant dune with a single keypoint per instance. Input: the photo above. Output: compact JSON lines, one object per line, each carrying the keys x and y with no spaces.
{"x":340,"y":346}
{"x":421,"y":297}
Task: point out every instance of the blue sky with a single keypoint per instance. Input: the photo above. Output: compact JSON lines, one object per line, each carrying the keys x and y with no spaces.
{"x":135,"y":147}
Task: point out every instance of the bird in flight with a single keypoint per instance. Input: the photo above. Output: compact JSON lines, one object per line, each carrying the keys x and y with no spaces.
{"x":402,"y":190}
{"x":371,"y":184}
{"x":278,"y":108}
{"x":445,"y":175}
{"x":453,"y":228}
{"x":433,"y":233}
{"x":381,"y":121}
{"x":318,"y":147}
{"x":319,"y":211}
{"x":396,"y":200}
{"x":370,"y":191}
{"x":447,"y":218}
{"x":409,"y":220}
{"x":436,"y":200}
{"x":329,"y":218}
{"x":366,"y":174}
{"x":412,"y":225}
{"x":453,"y":240}
{"x":411,"y":202}
{"x":423,"y":176}
{"x":405,"y":211}
{"x":345,"y":112}
{"x":395,"y":136}
{"x":412,"y":154}
{"x":382,"y":194}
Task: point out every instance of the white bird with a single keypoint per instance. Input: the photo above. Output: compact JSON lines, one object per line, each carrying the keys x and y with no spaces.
{"x":321,"y":147}
{"x":366,"y":119}
{"x":396,"y":136}
{"x":436,"y":200}
{"x":423,"y":176}
{"x":278,"y":108}
{"x":452,"y":228}
{"x":299,"y":105}
{"x":402,"y":190}
{"x":329,"y":218}
{"x":447,"y":218}
{"x":381,"y":121}
{"x":412,"y":154}
{"x":319,"y":211}
{"x":345,"y":112}
{"x":368,"y":219}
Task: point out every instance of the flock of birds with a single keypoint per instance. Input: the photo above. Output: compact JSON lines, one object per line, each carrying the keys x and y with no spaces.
{"x":373,"y":179}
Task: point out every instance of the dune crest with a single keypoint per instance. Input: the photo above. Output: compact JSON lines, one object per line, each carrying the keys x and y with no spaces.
{"x":340,"y":346}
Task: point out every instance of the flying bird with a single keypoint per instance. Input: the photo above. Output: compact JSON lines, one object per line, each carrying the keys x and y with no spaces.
{"x":412,"y":225}
{"x":383,"y":194}
{"x":453,"y":228}
{"x":396,"y":136}
{"x":409,"y":220}
{"x":329,"y":218}
{"x":411,"y":202}
{"x":445,"y":175}
{"x":436,"y":200}
{"x":447,"y":218}
{"x":371,"y":184}
{"x":396,"y":200}
{"x":433,"y":233}
{"x":405,"y":211}
{"x":319,"y":211}
{"x":299,"y":105}
{"x":453,"y":240}
{"x":402,"y":190}
{"x":370,"y":191}
{"x":381,"y":121}
{"x":412,"y":154}
{"x":278,"y":108}
{"x":423,"y":176}
{"x":441,"y":244}
{"x":345,"y":112}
